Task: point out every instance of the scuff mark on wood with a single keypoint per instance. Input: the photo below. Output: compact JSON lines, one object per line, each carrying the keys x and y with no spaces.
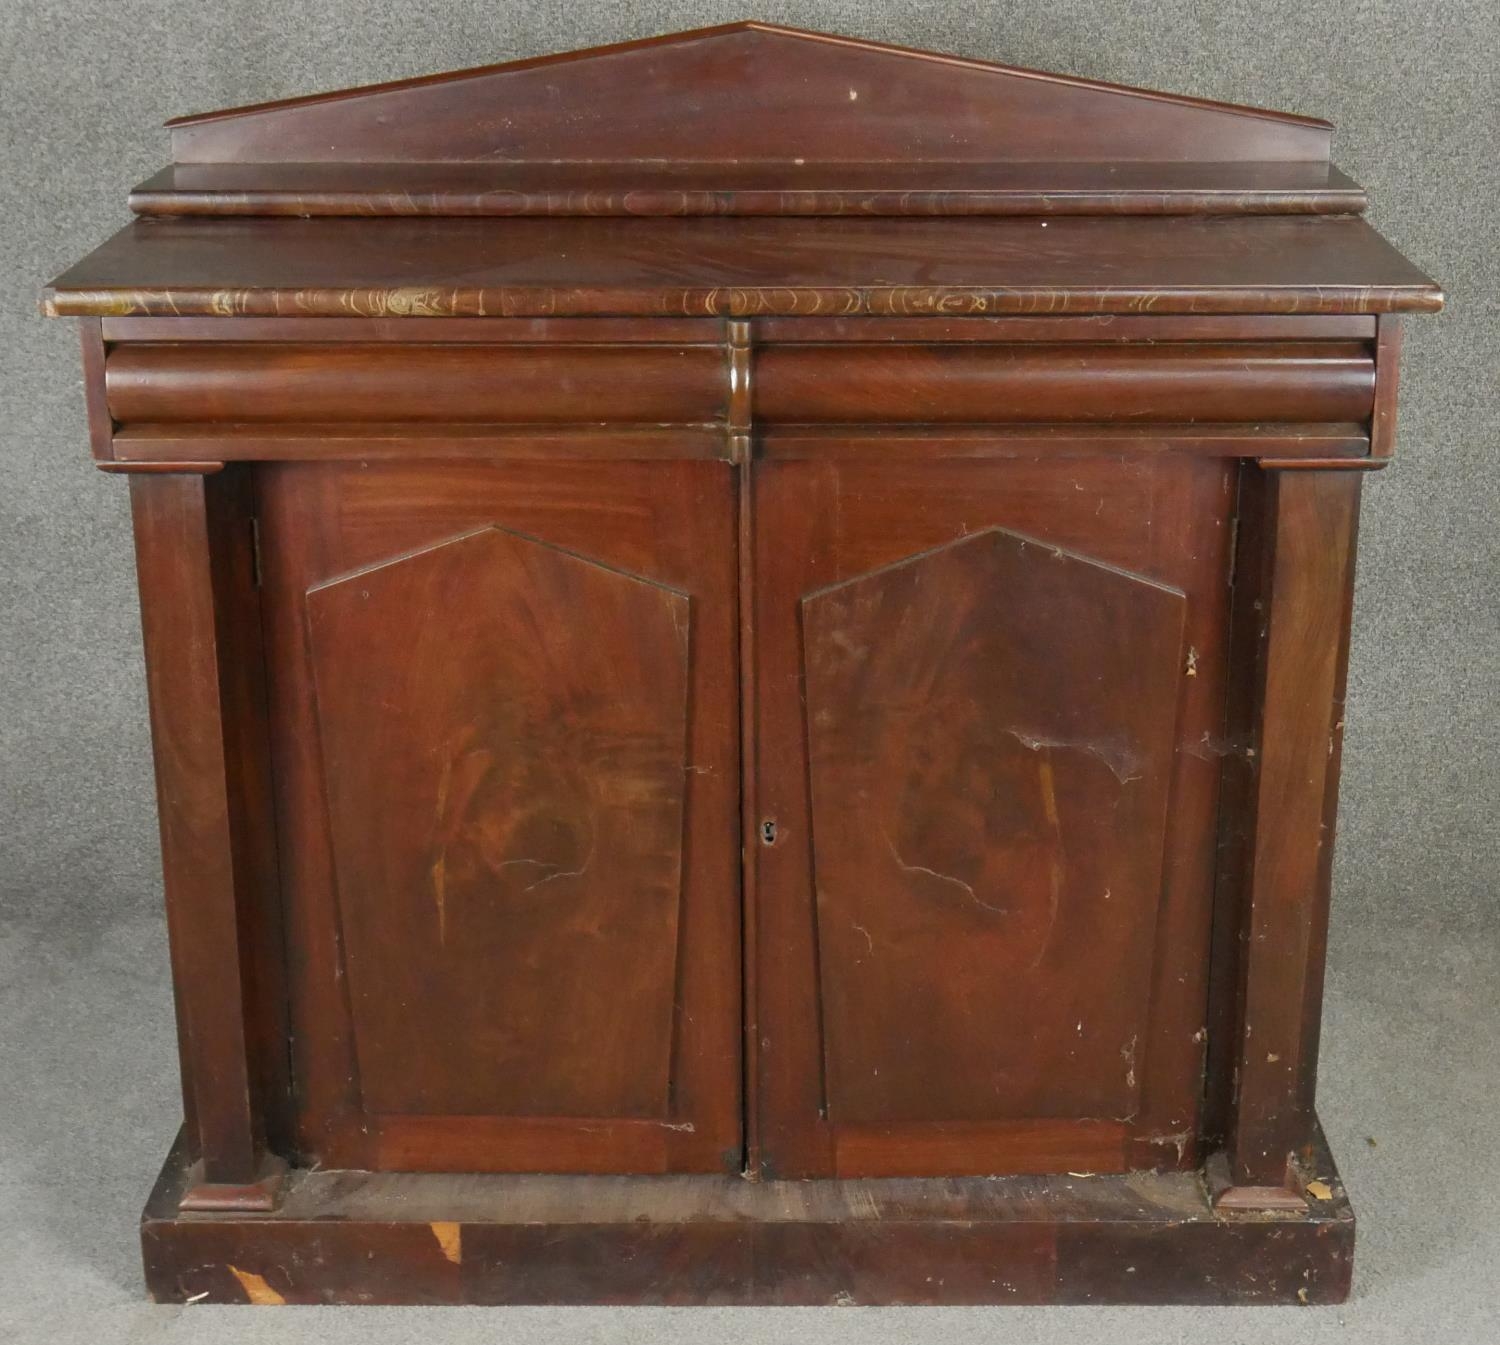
{"x":941,"y":877}
{"x":1123,"y":764}
{"x":450,"y":1238}
{"x":1178,"y":1139}
{"x":256,"y":1289}
{"x":1210,"y":748}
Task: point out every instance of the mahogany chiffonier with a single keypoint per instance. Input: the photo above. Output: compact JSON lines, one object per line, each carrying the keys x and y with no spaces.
{"x":745,"y":638}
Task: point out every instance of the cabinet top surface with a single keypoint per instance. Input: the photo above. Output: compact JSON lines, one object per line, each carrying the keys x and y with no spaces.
{"x":740,"y":170}
{"x":702,"y":267}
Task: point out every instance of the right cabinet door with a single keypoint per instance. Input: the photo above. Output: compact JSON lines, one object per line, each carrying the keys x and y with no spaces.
{"x":987,"y":725}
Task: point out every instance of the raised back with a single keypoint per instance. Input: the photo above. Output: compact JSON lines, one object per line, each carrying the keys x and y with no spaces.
{"x":747,"y":93}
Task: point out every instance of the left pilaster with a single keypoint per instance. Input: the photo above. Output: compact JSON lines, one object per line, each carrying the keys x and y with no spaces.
{"x":205,"y":676}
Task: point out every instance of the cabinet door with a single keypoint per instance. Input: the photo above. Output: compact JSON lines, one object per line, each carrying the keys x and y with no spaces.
{"x":988,"y":707}
{"x":504,"y":713}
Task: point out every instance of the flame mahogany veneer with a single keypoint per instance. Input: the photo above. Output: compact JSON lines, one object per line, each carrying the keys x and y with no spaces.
{"x":745,"y":636}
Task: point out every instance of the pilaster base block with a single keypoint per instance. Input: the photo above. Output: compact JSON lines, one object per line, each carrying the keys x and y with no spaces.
{"x":1312,"y":1183}
{"x":260,"y":1196}
{"x":1228,"y":1198}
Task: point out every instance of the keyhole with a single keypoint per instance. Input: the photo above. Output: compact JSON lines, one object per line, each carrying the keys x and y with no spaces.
{"x":768,"y":832}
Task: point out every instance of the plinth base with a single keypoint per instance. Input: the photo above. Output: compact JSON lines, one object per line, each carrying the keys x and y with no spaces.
{"x":362,"y":1237}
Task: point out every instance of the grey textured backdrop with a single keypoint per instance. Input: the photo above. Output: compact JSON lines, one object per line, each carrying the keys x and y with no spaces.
{"x":1412,"y":1039}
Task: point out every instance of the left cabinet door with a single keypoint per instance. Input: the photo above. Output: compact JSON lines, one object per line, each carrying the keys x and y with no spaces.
{"x":504,"y":730}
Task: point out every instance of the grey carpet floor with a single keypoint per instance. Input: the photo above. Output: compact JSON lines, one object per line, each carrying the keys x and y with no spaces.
{"x":1410,"y":1086}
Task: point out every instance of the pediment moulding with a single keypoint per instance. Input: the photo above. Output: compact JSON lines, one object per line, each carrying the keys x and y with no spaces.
{"x":747,"y":119}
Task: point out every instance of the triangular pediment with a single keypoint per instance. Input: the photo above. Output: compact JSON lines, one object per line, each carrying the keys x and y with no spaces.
{"x":747,"y":93}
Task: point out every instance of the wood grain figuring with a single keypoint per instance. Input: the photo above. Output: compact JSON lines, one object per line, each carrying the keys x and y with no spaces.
{"x":535,"y":268}
{"x":990,"y":730}
{"x":385,"y":383}
{"x":520,"y":331}
{"x":1098,"y":329}
{"x":566,"y":656}
{"x":737,"y":188}
{"x":506,"y":792}
{"x":710,"y":331}
{"x":939,"y":384}
{"x":826,"y":523}
{"x":747,"y":93}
